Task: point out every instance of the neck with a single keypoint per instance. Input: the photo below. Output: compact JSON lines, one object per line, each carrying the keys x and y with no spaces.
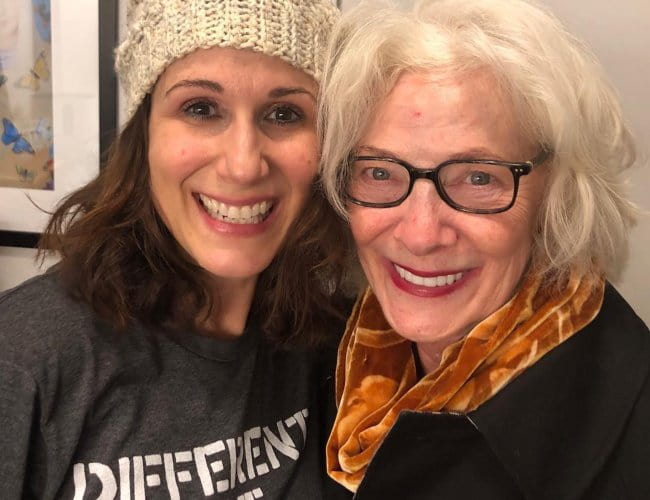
{"x":429,"y":354}
{"x":233,"y":299}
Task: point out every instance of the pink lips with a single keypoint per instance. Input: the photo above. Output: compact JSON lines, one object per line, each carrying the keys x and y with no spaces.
{"x":426,"y":291}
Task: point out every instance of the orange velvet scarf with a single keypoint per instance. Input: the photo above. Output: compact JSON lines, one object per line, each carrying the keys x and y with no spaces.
{"x":376,"y":370}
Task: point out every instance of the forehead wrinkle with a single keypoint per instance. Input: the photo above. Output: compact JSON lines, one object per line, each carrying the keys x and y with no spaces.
{"x":468,"y":121}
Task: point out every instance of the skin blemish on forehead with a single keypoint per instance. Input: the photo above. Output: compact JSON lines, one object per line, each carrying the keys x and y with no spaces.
{"x":417,"y":114}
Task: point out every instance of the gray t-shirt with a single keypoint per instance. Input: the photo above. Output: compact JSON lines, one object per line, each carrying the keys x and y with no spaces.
{"x":87,"y":413}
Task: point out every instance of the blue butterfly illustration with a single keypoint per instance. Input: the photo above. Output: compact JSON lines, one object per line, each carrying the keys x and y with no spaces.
{"x":42,"y":19}
{"x":12,"y":136}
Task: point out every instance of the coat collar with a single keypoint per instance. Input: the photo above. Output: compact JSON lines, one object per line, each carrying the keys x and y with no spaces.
{"x":555,"y":426}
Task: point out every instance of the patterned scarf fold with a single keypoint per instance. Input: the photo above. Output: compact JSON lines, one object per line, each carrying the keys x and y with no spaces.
{"x":376,"y":374}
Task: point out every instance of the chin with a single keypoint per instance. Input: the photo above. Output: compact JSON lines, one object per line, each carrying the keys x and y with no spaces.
{"x":419,"y":334}
{"x":424,"y":330}
{"x":238,"y":268}
{"x":410,"y":330}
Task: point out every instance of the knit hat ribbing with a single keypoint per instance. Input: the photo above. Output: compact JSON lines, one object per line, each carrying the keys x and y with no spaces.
{"x":161,"y":31}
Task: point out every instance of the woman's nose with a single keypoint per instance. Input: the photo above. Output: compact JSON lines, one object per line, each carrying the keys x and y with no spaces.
{"x":425,"y":223}
{"x":243,"y":159}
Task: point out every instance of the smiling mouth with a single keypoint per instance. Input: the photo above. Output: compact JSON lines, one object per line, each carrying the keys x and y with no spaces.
{"x":430,"y":282}
{"x":231,"y":214}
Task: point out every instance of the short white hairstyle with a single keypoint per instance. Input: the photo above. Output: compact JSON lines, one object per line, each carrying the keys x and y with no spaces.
{"x":558,"y":90}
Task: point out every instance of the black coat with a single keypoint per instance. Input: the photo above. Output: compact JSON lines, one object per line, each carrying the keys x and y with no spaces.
{"x":576,"y":425}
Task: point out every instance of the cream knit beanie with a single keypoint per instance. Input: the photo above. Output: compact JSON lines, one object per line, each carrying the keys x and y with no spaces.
{"x":160,"y":31}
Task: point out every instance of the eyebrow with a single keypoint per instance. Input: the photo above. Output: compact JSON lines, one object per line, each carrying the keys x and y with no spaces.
{"x":285,"y":91}
{"x":203,"y":84}
{"x":476,"y":154}
{"x":373,"y":151}
{"x":468,"y":154}
{"x":217,"y":87}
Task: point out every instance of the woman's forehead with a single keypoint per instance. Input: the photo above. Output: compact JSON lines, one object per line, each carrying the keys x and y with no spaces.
{"x":238,"y":66}
{"x":456,"y":114}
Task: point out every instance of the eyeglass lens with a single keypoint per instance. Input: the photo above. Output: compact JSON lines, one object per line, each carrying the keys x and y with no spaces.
{"x":475,"y":186}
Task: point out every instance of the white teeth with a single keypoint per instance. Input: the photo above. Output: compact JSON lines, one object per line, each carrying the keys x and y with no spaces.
{"x":428,"y":282}
{"x":247,"y":214}
{"x":233,"y":213}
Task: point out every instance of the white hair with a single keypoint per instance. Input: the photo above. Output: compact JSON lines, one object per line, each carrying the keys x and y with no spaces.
{"x":558,"y":90}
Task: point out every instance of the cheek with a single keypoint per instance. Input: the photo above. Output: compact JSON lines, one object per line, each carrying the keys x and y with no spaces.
{"x":357,"y":226}
{"x":366,"y":225}
{"x":509,"y":239}
{"x":299,"y":162}
{"x":175,"y":157}
{"x":306,"y":168}
{"x":525,"y":221}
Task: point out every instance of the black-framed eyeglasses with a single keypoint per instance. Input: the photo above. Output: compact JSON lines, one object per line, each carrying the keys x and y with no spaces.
{"x":472,"y":186}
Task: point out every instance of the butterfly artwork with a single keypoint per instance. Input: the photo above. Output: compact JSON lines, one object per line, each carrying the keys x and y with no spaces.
{"x":39,"y":72}
{"x":42,"y":19}
{"x":24,"y":175}
{"x":43,"y":130}
{"x":49,"y":168}
{"x":11,"y":136}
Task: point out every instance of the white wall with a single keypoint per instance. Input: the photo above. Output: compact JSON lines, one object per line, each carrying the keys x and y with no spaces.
{"x":619,"y":33}
{"x":18,"y":264}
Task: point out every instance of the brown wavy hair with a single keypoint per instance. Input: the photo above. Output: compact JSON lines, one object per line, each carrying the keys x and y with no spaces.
{"x":118,"y":256}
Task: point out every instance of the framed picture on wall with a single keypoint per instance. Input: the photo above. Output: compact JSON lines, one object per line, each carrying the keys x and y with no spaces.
{"x":58,"y":106}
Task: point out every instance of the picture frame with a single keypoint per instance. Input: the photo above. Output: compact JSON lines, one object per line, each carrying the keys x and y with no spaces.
{"x":84,"y":113}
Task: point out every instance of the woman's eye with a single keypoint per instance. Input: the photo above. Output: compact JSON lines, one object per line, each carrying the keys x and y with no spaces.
{"x":284,"y":115}
{"x":479,"y":178}
{"x":200,"y":110}
{"x":379,"y":174}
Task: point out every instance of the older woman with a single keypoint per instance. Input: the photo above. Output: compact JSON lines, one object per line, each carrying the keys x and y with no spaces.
{"x":477,"y":152}
{"x":166,"y":356}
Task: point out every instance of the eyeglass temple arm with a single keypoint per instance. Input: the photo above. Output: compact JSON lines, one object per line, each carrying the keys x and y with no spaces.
{"x":543,"y":155}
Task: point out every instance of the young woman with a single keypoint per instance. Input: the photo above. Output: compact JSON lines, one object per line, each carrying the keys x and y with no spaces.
{"x":155,"y":360}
